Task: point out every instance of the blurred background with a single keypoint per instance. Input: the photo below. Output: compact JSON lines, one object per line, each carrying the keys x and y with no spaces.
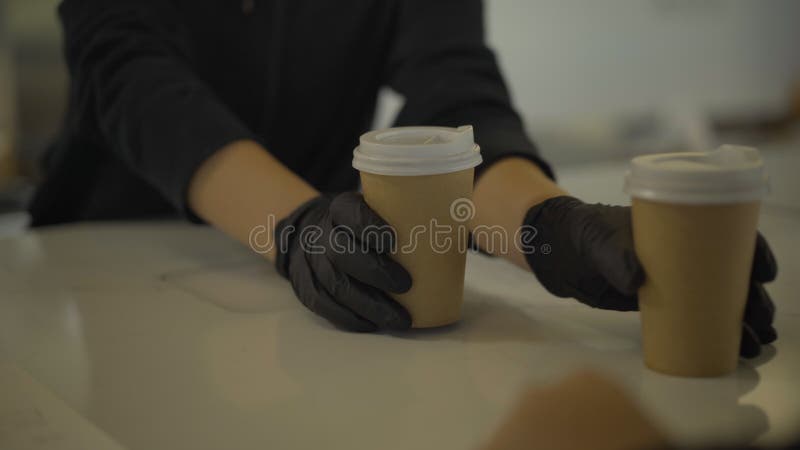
{"x":595,"y":81}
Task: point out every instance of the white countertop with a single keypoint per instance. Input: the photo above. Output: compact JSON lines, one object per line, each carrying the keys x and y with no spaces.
{"x":159,"y":335}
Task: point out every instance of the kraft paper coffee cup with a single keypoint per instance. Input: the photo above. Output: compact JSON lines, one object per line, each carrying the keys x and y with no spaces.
{"x":695,"y":218}
{"x":419,"y":179}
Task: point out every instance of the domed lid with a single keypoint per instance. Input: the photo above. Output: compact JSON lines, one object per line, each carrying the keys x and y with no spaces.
{"x":729,"y":174}
{"x":410,"y":151}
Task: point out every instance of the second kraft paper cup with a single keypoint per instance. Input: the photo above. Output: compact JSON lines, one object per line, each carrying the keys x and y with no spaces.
{"x":419,"y":179}
{"x":695,"y":218}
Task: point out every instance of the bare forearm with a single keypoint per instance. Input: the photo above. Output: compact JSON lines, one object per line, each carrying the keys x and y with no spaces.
{"x":503,"y":195}
{"x":240,"y":186}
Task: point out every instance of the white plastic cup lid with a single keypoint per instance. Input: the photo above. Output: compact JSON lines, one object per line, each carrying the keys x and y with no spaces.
{"x":729,"y":174}
{"x":411,"y":151}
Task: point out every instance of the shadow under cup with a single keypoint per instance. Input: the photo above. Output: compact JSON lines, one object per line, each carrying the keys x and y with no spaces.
{"x":695,"y":219}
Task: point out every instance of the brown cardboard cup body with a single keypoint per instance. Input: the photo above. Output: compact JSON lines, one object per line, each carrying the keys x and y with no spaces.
{"x":431,"y":243}
{"x":697,"y":259}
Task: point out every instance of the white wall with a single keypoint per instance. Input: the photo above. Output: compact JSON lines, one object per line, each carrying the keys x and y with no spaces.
{"x":566,"y":58}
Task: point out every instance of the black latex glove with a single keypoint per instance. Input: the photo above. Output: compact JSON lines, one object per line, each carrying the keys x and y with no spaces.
{"x":348,"y":288}
{"x":591,"y":258}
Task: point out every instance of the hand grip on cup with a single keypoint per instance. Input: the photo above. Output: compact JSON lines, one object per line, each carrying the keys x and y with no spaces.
{"x":695,"y":218}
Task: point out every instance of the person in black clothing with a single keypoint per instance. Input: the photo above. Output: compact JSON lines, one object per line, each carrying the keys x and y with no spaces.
{"x":226,"y":112}
{"x":159,"y":86}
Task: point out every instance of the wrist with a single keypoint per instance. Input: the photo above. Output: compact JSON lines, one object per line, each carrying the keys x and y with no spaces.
{"x":520,"y":176}
{"x":243,"y":191}
{"x":503,"y":196}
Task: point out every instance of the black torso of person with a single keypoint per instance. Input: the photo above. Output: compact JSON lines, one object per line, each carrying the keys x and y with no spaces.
{"x":156,"y":86}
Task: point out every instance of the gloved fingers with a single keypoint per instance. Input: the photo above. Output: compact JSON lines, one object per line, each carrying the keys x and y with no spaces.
{"x":611,"y":250}
{"x":374,"y":305}
{"x":759,"y":312}
{"x":611,"y":299}
{"x":369,"y":267}
{"x":620,"y":267}
{"x":315,"y":297}
{"x":350,"y":212}
{"x":750,"y":346}
{"x":765,"y":267}
{"x":366,"y":301}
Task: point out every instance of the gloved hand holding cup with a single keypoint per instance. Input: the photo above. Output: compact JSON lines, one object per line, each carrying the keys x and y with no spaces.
{"x":695,"y":218}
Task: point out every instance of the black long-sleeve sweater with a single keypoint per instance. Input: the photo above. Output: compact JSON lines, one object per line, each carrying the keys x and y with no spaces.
{"x":156,"y":86}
